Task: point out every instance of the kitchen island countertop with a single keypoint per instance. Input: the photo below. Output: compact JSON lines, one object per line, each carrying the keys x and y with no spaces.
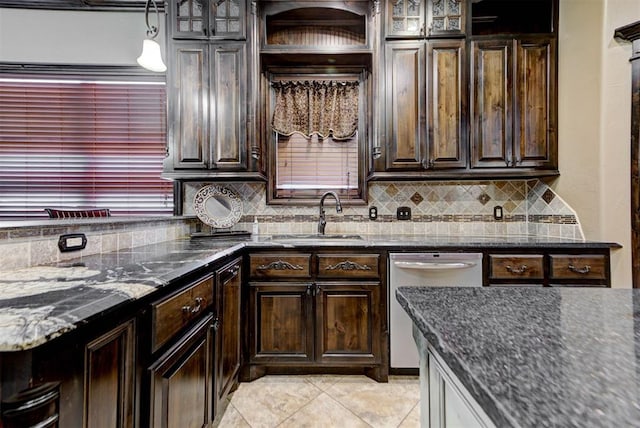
{"x":536,"y":357}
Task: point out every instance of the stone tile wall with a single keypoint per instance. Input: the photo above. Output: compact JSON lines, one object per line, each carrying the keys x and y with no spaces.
{"x":461,"y":208}
{"x":25,"y":246}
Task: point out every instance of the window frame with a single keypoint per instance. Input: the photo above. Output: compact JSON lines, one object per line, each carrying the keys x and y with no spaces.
{"x":310,"y":197}
{"x":89,"y":72}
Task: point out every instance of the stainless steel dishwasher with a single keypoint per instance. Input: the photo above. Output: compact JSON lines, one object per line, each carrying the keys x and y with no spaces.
{"x":423,"y":270}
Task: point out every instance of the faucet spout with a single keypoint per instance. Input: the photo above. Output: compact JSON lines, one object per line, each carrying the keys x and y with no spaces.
{"x":322,"y":222}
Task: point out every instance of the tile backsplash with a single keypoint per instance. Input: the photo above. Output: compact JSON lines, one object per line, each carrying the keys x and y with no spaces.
{"x":462,"y":208}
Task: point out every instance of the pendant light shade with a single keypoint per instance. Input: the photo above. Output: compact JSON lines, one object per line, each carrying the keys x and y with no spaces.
{"x":151,"y":57}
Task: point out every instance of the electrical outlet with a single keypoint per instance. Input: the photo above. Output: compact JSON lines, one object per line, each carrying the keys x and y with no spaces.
{"x":403,"y":213}
{"x":373,"y":213}
{"x":497,"y":212}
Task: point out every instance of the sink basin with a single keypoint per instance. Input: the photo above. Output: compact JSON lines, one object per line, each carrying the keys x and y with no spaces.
{"x":315,"y":238}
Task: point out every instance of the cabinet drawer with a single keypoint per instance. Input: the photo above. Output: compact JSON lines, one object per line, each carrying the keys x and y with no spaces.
{"x":506,"y":266}
{"x":173,"y":313}
{"x":348,"y":265}
{"x":565,"y":266}
{"x":280,"y":265}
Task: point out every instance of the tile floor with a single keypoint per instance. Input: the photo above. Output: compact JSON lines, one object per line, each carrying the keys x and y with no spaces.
{"x":324,"y":401}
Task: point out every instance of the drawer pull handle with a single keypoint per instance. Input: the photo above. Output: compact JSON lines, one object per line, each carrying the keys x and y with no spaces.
{"x":583,"y":270}
{"x":187,"y":309}
{"x":517,"y":270}
{"x":348,"y":265}
{"x":280,"y":265}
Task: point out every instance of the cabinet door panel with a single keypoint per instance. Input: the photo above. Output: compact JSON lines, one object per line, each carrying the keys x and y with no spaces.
{"x":109,"y":378}
{"x":229,"y":314}
{"x":181,"y":381}
{"x":491,"y":106}
{"x":536,"y":100}
{"x":406,"y":130}
{"x":446,"y":95}
{"x":282,"y":322}
{"x":347,"y":322}
{"x":188,"y":111}
{"x":228,"y":130}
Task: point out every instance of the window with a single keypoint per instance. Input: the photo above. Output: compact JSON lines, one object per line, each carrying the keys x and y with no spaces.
{"x":317,"y":136}
{"x":82,"y":142}
{"x":316,"y":164}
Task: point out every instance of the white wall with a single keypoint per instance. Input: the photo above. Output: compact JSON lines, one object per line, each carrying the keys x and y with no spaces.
{"x":595,"y":122}
{"x":73,"y":37}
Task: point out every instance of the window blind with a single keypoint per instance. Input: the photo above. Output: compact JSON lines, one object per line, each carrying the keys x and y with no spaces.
{"x":82,"y":143}
{"x":316,"y":163}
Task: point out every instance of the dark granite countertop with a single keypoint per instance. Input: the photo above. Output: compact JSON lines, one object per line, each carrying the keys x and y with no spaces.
{"x":533,"y":357}
{"x":40,"y":303}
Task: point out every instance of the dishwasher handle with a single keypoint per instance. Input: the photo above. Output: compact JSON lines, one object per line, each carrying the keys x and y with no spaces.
{"x":434,"y":265}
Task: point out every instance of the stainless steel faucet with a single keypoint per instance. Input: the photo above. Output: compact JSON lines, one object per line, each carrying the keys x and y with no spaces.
{"x":321,"y":221}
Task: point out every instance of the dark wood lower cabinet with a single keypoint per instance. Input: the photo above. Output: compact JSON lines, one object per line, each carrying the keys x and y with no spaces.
{"x":182,"y":381}
{"x":347,"y":324}
{"x":328,"y":318}
{"x":281,"y":324}
{"x":229,"y":318}
{"x":109,"y":378}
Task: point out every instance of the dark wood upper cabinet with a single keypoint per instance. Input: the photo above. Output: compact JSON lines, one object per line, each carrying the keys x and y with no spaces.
{"x":188,"y":106}
{"x":536,"y":122}
{"x":446,"y":104}
{"x":513,"y":105}
{"x":446,"y":96}
{"x":209,"y":107}
{"x":425,"y":103}
{"x":406,"y":139}
{"x":492,"y":103}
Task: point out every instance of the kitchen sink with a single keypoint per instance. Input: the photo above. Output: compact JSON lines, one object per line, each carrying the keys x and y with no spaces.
{"x":316,"y":238}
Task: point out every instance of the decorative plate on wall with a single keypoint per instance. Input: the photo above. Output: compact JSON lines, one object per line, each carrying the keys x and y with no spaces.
{"x":217,"y":206}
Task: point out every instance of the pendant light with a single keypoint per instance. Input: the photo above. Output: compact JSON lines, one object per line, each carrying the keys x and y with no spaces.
{"x":151,"y":57}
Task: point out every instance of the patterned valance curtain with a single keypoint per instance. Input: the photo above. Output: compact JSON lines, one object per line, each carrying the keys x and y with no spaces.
{"x":326,"y":108}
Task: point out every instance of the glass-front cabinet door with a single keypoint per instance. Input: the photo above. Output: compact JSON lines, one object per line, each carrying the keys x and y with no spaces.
{"x":405,"y":18}
{"x":208,"y":19}
{"x":445,"y":17}
{"x":423,"y":18}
